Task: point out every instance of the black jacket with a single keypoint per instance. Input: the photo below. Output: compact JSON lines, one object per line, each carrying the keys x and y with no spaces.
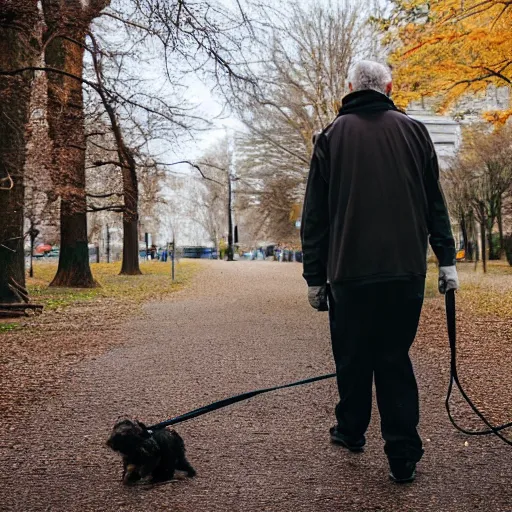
{"x":373,"y":198}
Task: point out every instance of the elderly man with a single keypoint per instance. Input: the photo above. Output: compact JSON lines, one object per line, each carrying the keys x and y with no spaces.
{"x":373,"y":202}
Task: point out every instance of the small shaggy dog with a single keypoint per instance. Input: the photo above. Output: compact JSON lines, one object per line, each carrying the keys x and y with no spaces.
{"x":157,"y":454}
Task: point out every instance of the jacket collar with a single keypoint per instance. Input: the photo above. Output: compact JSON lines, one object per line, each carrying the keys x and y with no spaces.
{"x":365,"y":101}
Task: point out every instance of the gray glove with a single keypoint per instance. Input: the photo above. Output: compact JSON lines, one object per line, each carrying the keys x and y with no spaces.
{"x":317,"y":296}
{"x":448,"y":279}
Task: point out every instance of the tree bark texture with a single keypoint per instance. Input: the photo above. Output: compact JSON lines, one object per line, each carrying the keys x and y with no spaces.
{"x":130,"y":264}
{"x":490,"y":242}
{"x":482,"y":237}
{"x":19,"y":48}
{"x":67,"y":131}
{"x":68,"y":21}
{"x":472,"y":236}
{"x":500,"y":227}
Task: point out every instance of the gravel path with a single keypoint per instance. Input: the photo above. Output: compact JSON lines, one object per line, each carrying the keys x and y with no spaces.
{"x":240,"y":326}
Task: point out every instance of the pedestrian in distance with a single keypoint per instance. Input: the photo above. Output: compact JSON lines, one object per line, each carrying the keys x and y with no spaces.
{"x":373,"y":203}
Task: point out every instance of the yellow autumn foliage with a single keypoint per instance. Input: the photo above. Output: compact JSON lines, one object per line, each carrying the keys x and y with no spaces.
{"x":450,"y":48}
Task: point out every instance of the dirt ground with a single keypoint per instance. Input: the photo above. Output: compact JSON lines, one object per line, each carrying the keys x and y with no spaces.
{"x":239,"y":326}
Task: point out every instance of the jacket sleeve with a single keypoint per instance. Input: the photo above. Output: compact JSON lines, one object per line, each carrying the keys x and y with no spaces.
{"x":439,"y":226}
{"x":315,"y":217}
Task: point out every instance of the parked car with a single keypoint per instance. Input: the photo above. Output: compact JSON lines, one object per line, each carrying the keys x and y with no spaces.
{"x":199,"y":252}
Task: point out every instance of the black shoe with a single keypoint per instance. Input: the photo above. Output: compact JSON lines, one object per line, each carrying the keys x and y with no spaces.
{"x":402,"y":471}
{"x":338,"y":438}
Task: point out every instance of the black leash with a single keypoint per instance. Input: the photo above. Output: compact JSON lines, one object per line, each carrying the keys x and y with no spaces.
{"x":233,"y":400}
{"x":454,"y":378}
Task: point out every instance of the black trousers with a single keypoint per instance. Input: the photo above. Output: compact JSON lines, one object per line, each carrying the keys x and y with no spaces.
{"x":372,"y":329}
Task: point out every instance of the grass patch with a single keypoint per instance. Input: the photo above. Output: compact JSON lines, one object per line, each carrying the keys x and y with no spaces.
{"x":155,"y":283}
{"x":488,"y":294}
{"x":431,"y":282}
{"x":487,"y":302}
{"x":7,"y":327}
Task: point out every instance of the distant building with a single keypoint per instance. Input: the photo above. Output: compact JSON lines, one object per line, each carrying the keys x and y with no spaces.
{"x":444,"y":131}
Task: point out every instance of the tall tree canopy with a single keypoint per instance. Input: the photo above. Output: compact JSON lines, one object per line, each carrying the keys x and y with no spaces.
{"x":449,"y":48}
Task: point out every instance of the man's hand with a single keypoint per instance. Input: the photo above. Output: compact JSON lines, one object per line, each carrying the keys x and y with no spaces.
{"x":317,"y":296}
{"x":448,"y":279}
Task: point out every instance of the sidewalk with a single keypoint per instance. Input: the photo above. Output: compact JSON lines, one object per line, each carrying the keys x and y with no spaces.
{"x":240,"y":326}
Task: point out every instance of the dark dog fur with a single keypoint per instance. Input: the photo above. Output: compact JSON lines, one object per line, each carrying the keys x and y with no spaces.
{"x":157,"y":454}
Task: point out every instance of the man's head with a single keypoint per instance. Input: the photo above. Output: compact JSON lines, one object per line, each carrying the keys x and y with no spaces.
{"x":370,"y":75}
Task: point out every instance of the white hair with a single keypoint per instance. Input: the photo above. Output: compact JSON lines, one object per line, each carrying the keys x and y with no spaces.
{"x":367,"y":74}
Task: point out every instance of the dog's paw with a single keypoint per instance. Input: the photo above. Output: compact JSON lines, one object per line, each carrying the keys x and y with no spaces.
{"x":131,"y":476}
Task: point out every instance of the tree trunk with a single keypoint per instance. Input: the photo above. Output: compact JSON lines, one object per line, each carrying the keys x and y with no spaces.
{"x":473,"y":237}
{"x":74,"y":270}
{"x":130,"y":265}
{"x":67,"y":132}
{"x":490,"y":241}
{"x":482,"y":237}
{"x":19,"y":47}
{"x":465,"y":239}
{"x":130,"y":221}
{"x":500,"y":226}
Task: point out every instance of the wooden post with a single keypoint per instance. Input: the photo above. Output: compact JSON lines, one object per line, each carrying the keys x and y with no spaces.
{"x":173,"y":255}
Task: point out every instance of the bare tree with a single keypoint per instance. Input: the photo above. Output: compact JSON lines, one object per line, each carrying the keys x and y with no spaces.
{"x":19,"y":49}
{"x":493,"y":152}
{"x":212,"y":206}
{"x":480,"y":182}
{"x":104,"y":189}
{"x":127,"y":164}
{"x":189,"y":34}
{"x":200,"y":36}
{"x":307,"y":53}
{"x":196,"y":36}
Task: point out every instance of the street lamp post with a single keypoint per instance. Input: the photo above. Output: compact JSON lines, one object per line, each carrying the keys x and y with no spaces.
{"x":231,"y":178}
{"x":231,"y":250}
{"x":108,"y":244}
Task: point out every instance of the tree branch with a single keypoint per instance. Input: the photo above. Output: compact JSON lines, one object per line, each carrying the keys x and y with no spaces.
{"x":114,"y":208}
{"x":105,"y":196}
{"x":195,"y":166}
{"x":100,"y":163}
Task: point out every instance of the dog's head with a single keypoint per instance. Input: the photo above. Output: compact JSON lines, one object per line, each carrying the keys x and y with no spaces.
{"x":127,"y":435}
